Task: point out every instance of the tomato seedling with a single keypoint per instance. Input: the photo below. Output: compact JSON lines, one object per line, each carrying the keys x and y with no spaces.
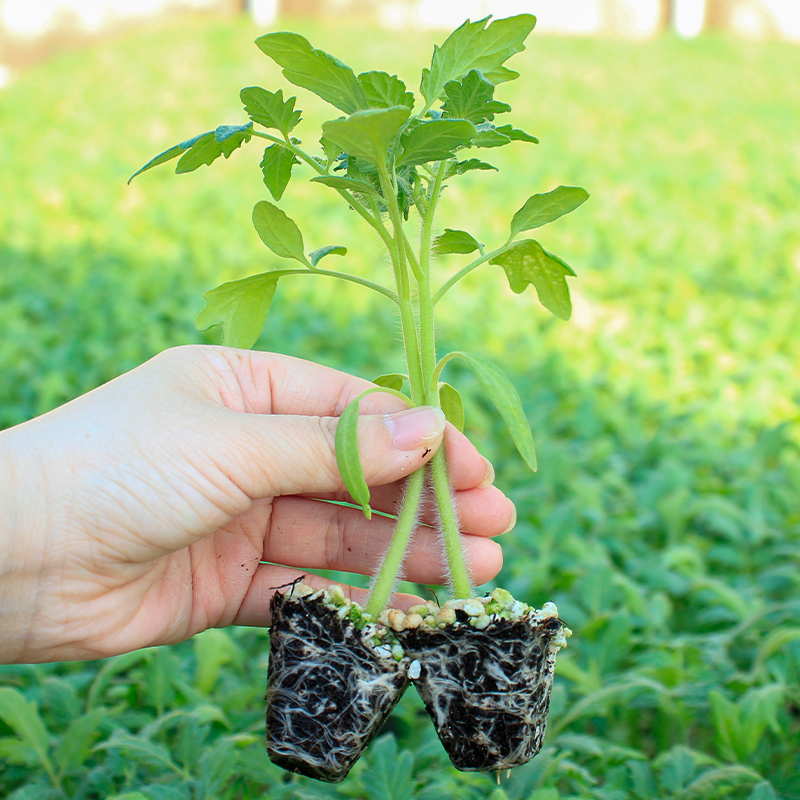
{"x":389,"y":158}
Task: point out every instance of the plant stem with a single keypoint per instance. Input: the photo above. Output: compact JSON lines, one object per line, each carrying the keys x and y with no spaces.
{"x":445,"y":287}
{"x":393,"y":560}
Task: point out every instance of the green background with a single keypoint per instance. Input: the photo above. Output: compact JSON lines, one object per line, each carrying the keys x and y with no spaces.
{"x":664,"y":517}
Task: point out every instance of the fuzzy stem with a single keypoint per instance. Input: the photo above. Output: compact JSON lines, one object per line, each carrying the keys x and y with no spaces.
{"x":390,"y":568}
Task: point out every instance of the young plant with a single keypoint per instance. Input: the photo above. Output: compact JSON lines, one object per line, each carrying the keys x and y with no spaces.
{"x":390,"y":157}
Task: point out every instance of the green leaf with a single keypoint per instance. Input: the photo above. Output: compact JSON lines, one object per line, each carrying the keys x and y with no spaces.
{"x":75,"y":746}
{"x":393,"y":380}
{"x":278,"y":232}
{"x":348,"y":458}
{"x":384,"y":90}
{"x":276,"y":167}
{"x":474,"y":46}
{"x":452,"y":405}
{"x":330,"y":150}
{"x":435,"y":140}
{"x":241,"y":308}
{"x":460,"y":167}
{"x":14,"y":751}
{"x":209,"y":147}
{"x":315,"y":70}
{"x":348,"y":184}
{"x":543,"y":208}
{"x":389,"y":772}
{"x":367,"y":134}
{"x":471,"y":99}
{"x":452,"y":241}
{"x":173,"y":152}
{"x":328,"y":250}
{"x":489,"y":136}
{"x":269,"y":109}
{"x":515,"y":134}
{"x":22,"y":716}
{"x":217,"y":767}
{"x":526,"y":263}
{"x":507,"y":401}
{"x":139,"y":750}
{"x":213,"y":649}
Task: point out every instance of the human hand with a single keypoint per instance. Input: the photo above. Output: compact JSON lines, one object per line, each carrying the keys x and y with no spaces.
{"x":140,"y":514}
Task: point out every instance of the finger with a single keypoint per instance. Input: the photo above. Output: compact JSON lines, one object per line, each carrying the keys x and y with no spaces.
{"x":269,"y":578}
{"x":270,"y":455}
{"x":315,"y":535}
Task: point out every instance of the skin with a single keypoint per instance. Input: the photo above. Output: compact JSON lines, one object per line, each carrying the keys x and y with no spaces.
{"x":141,"y":513}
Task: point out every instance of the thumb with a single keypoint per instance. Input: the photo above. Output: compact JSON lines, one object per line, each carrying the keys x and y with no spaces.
{"x":297,"y":454}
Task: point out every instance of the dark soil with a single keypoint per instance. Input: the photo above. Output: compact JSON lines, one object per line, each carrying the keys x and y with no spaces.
{"x":328,"y":694}
{"x":487,"y":691}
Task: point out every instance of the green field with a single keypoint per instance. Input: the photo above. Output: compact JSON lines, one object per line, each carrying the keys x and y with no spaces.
{"x":664,"y":520}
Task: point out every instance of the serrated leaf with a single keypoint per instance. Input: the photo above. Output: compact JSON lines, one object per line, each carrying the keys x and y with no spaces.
{"x":241,"y":308}
{"x":218,"y":766}
{"x":269,"y":109}
{"x":172,"y":152}
{"x":328,"y":250}
{"x":507,"y":401}
{"x":528,"y":263}
{"x":452,"y":241}
{"x":543,"y":208}
{"x":515,"y":134}
{"x":278,"y":232}
{"x":460,"y":167}
{"x":22,"y":716}
{"x":489,"y":136}
{"x":330,"y":150}
{"x":315,"y":70}
{"x":367,"y":134}
{"x":75,"y":745}
{"x":452,"y":405}
{"x":471,"y":98}
{"x":392,"y":380}
{"x":435,"y":140}
{"x":475,"y":46}
{"x":384,"y":90}
{"x":348,"y":184}
{"x":348,"y":458}
{"x":276,"y":167}
{"x":389,"y":772}
{"x":209,"y":147}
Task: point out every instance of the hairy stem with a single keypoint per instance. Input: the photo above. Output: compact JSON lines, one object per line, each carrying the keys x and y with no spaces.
{"x":393,"y":560}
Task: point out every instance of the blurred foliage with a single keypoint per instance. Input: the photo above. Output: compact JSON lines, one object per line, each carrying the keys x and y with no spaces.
{"x":664,"y":519}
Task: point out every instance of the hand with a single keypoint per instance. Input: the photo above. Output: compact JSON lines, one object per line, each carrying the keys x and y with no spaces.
{"x":141,"y":513}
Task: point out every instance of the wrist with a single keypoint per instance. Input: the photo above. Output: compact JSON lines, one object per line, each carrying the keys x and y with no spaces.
{"x":22,"y":508}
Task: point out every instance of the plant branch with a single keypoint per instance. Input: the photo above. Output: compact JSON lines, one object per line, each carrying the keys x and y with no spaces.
{"x":452,"y":281}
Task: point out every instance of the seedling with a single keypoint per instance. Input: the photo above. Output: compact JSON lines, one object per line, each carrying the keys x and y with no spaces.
{"x":390,"y":158}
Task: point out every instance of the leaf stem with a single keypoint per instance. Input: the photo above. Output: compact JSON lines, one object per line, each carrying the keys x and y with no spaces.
{"x":453,"y":280}
{"x":345,"y":276}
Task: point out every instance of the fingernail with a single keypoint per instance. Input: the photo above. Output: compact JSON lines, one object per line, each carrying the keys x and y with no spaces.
{"x":513,"y":518}
{"x":416,"y":427}
{"x":488,"y":478}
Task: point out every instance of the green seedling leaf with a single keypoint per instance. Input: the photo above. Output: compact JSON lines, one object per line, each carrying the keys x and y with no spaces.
{"x":278,"y":232}
{"x":435,"y":140}
{"x":208,"y":148}
{"x":475,"y":46}
{"x":75,"y":746}
{"x":507,"y":401}
{"x":452,"y":241}
{"x":472,"y":99}
{"x":22,"y":716}
{"x":460,"y":167}
{"x":367,"y":134}
{"x":543,"y":208}
{"x":452,"y":405}
{"x":140,"y":751}
{"x":348,"y":184}
{"x":489,"y":136}
{"x":515,"y":134}
{"x":384,"y":90}
{"x":315,"y":70}
{"x":241,"y":308}
{"x":526,"y":263}
{"x":276,"y":167}
{"x":269,"y":109}
{"x":329,"y":250}
{"x":348,"y":458}
{"x":393,"y":380}
{"x":330,"y":150}
{"x":14,"y":751}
